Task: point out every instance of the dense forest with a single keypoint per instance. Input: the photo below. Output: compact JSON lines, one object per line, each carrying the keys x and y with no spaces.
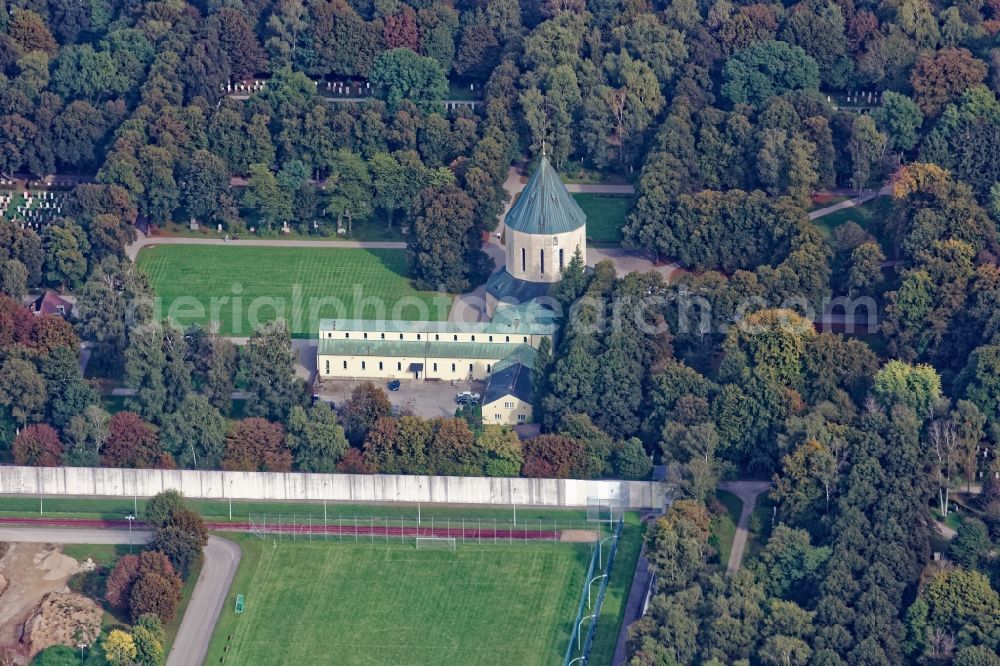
{"x":728,"y":116}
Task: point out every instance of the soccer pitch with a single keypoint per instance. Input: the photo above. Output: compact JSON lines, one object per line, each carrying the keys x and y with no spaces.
{"x":243,"y":287}
{"x":347,"y":603}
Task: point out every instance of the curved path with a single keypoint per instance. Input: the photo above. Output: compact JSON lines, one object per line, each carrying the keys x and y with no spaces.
{"x":210,"y":593}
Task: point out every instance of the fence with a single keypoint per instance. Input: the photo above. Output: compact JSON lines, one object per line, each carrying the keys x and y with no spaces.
{"x":581,"y":652}
{"x":292,"y":486}
{"x":373,"y":528}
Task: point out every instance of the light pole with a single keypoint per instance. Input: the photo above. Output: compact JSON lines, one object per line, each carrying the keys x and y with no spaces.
{"x":588,"y":587}
{"x":420,"y":488}
{"x":513,"y":502}
{"x":599,"y":555}
{"x":130,"y":518}
{"x":579,"y":629}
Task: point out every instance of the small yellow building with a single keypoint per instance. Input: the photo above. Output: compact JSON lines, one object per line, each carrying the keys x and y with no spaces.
{"x":509,"y":395}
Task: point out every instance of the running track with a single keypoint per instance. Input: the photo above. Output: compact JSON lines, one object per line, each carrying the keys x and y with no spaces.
{"x":347,"y":527}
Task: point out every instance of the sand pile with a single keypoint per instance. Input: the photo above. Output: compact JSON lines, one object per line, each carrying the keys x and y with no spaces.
{"x":54,"y":565}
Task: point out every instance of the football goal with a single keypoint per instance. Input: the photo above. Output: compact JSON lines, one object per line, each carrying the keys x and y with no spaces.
{"x":438,"y":543}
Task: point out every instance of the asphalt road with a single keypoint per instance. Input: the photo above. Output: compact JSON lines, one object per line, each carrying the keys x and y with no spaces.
{"x":747,"y":491}
{"x":209,"y":596}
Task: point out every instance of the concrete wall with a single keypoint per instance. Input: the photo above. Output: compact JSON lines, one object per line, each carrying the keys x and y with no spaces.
{"x":99,"y":481}
{"x":533,"y":246}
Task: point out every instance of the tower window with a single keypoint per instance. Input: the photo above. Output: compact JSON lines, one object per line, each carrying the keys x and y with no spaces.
{"x":560,"y":260}
{"x":524,"y":263}
{"x":399,"y":366}
{"x":365,"y":336}
{"x":362,"y":365}
{"x":327,"y":367}
{"x":453,"y":367}
{"x":541,"y":262}
{"x":435,"y":367}
{"x":345,"y":365}
{"x":555,"y":240}
{"x":380,"y":365}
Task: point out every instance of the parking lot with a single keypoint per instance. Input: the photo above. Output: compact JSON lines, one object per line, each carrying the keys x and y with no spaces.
{"x":417,"y":396}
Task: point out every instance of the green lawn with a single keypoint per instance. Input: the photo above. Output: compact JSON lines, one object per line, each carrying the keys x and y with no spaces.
{"x":724,"y":526}
{"x":241,"y":287}
{"x":605,"y":216}
{"x":868,"y":216}
{"x":602,"y":650}
{"x":348,"y":603}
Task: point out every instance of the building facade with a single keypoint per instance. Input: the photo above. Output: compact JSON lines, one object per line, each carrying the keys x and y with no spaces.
{"x":542,"y":232}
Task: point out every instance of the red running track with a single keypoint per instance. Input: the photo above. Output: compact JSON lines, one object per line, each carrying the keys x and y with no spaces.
{"x":348,"y":528}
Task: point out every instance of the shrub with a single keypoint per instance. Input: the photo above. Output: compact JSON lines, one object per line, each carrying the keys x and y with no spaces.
{"x":182,"y":548}
{"x":57,"y":655}
{"x":132,"y":567}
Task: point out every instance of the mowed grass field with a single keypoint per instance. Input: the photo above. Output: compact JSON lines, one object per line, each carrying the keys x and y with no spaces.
{"x":347,"y":603}
{"x":243,"y":287}
{"x":606,"y":215}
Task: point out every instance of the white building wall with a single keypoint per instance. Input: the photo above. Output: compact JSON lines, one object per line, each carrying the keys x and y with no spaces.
{"x":292,"y":486}
{"x":534,"y":244}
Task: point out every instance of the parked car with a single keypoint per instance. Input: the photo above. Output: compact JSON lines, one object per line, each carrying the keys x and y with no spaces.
{"x":467,"y":397}
{"x":394,"y":385}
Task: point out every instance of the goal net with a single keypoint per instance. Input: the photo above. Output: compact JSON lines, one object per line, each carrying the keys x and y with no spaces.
{"x":604,"y":510}
{"x":438,"y":543}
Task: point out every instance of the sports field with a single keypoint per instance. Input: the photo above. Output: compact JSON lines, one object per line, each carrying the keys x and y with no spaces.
{"x":243,"y":287}
{"x":347,"y":603}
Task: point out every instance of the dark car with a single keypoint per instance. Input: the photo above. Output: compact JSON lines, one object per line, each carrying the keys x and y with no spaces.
{"x":394,"y":385}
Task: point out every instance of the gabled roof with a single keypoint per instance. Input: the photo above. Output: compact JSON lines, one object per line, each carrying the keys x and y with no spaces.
{"x":51,"y":303}
{"x":545,"y":207}
{"x":513,"y":380}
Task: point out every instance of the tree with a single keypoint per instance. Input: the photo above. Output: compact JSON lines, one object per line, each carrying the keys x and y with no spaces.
{"x":918,"y":387}
{"x":119,"y":648}
{"x":971,"y":543}
{"x":367,"y":404}
{"x":963,"y":603}
{"x":180,"y":546}
{"x":900,"y":118}
{"x":402,"y":74}
{"x":149,"y":639}
{"x":970,"y":423}
{"x":153,"y":593}
{"x":940,"y":76}
{"x":445,"y":251}
{"x":28,"y":32}
{"x":389,"y":179}
{"x":256,"y":444}
{"x":13,"y":278}
{"x":263,"y":195}
{"x":552,"y":457}
{"x":195,"y":433}
{"x":160,"y":506}
{"x":86,"y":433}
{"x":450,"y":451}
{"x":348,"y":188}
{"x":315,"y":438}
{"x":22,"y":390}
{"x":66,"y":248}
{"x":866,"y":267}
{"x":268,"y":362}
{"x":238,"y":42}
{"x":207,"y":180}
{"x":131,"y":442}
{"x":630,"y":460}
{"x":38,"y":446}
{"x":767,"y":69}
{"x":866,"y":147}
{"x":130,"y":568}
{"x":502,"y":451}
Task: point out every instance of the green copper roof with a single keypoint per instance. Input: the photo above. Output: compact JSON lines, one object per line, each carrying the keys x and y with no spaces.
{"x":421,"y":349}
{"x":545,"y":207}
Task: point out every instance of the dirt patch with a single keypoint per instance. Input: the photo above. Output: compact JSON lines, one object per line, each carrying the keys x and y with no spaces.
{"x":33,"y":571}
{"x":578,"y":536}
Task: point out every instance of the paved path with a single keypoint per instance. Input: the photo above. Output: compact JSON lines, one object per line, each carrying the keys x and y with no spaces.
{"x":142,"y":240}
{"x":210,"y":593}
{"x":883,"y":191}
{"x":634,"y":604}
{"x":944,"y":530}
{"x":747,"y":491}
